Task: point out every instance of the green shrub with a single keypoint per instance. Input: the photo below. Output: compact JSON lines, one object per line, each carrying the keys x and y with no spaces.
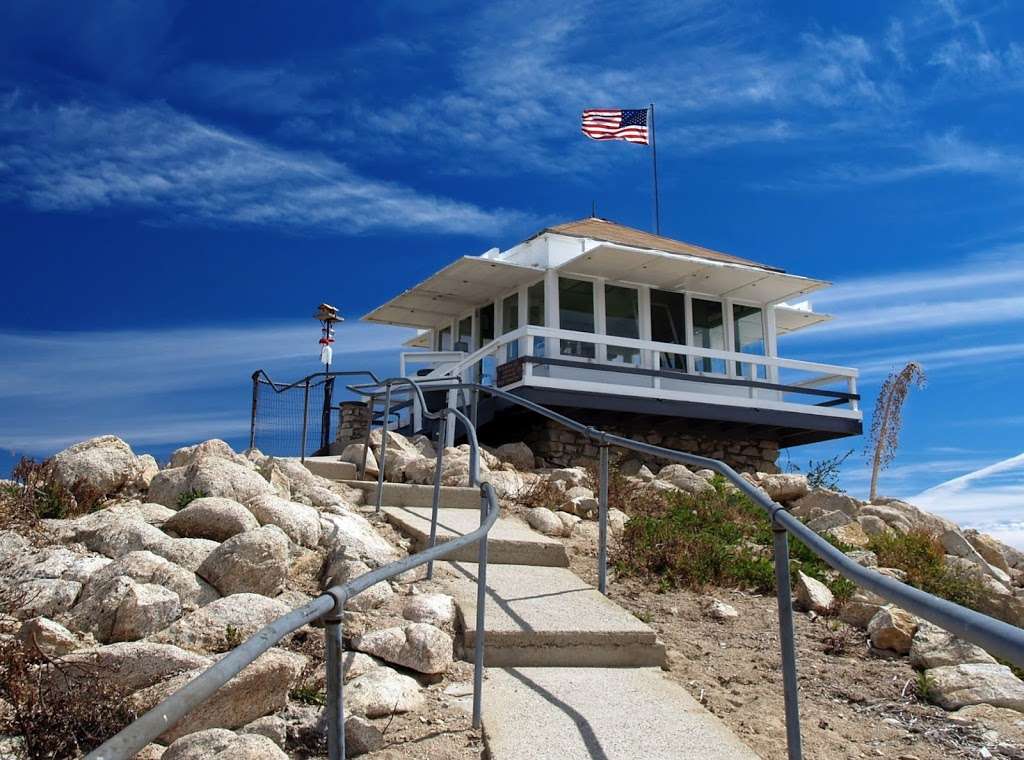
{"x":920,"y":555}
{"x":719,"y":540}
{"x":186,"y":498}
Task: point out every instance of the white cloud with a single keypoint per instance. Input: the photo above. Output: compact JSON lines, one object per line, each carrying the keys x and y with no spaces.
{"x":76,"y":157}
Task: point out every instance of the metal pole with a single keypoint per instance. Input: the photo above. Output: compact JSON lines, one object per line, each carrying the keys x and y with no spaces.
{"x":481,"y":598}
{"x":383,"y":446}
{"x":252,"y":415}
{"x":370,"y":403}
{"x":305,"y":421}
{"x":602,"y":526}
{"x":335,"y":699}
{"x":654,"y":161}
{"x":787,"y":642}
{"x":437,"y":491}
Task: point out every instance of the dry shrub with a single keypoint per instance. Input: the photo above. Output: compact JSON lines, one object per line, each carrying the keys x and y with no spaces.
{"x":921,"y":556}
{"x":57,"y":717}
{"x":36,"y":494}
{"x":543,"y":493}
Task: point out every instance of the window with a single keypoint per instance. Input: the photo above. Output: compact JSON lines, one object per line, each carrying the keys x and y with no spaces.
{"x":576,"y":312}
{"x":668,"y":325}
{"x":510,"y":322}
{"x":444,"y":339}
{"x":708,"y":332}
{"x":748,"y":332}
{"x":486,"y":317}
{"x":464,"y":339}
{"x":622,"y":319}
{"x":535,"y":313}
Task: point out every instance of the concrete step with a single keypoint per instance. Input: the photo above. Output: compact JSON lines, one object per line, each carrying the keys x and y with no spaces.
{"x":330,"y":467}
{"x":415,"y":495}
{"x":548,"y":617}
{"x":510,"y":541}
{"x":606,"y":713}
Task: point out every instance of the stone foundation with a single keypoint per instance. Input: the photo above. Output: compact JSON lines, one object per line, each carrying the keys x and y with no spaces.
{"x":560,"y":447}
{"x":355,"y":417}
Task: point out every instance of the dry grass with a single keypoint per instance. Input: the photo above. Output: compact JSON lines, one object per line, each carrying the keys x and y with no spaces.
{"x":36,"y":494}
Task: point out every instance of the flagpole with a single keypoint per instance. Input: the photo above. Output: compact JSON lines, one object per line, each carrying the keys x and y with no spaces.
{"x":654,"y":161}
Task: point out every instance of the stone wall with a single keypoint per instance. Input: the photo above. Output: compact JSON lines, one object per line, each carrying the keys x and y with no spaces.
{"x":560,"y":447}
{"x":355,"y":416}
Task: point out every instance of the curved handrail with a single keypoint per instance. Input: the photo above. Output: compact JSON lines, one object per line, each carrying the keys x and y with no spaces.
{"x":996,"y":636}
{"x":279,"y":388}
{"x":173,"y":708}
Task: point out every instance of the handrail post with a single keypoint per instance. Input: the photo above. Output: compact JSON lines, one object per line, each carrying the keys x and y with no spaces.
{"x":474,"y":460}
{"x":787,"y":642}
{"x":481,"y":599}
{"x":252,"y":415}
{"x":602,"y":524}
{"x":383,"y":446}
{"x":335,"y":680}
{"x":305,"y":421}
{"x":437,"y":490}
{"x":371,"y":401}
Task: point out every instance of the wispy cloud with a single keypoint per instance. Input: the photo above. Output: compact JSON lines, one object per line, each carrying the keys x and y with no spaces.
{"x":78,"y":157}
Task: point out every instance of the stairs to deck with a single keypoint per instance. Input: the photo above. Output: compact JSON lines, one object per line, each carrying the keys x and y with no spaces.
{"x":570,"y":674}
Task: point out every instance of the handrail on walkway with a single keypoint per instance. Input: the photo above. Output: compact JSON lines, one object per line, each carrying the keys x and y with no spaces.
{"x":997,"y":637}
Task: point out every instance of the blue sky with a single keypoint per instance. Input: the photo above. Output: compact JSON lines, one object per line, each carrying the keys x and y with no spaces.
{"x":181,"y":183}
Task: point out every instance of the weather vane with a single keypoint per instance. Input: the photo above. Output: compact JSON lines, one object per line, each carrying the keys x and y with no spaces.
{"x":328,"y":317}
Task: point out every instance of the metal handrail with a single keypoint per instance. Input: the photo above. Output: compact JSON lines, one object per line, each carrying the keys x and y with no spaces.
{"x":995,"y":636}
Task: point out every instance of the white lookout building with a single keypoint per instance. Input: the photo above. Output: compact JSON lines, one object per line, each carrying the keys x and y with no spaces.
{"x":651,"y":337}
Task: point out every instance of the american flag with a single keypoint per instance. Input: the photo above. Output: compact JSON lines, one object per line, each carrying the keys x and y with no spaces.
{"x":616,"y":124}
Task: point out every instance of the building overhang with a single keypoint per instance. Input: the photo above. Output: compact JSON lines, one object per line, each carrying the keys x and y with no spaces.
{"x":674,"y":271}
{"x":462,"y":285}
{"x":789,"y":319}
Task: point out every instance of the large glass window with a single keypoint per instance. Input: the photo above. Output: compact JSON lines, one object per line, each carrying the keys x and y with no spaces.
{"x":622,"y":319}
{"x":464,"y":339}
{"x":576,"y":312}
{"x":535,"y":313}
{"x":510,"y":322}
{"x":444,"y":339}
{"x":486,"y":317}
{"x":668,"y":325}
{"x":748,"y":333}
{"x":708,"y":332}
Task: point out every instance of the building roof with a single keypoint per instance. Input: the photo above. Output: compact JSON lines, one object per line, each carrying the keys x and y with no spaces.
{"x":597,"y":228}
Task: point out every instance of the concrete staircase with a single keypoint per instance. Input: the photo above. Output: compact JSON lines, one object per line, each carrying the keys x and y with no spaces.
{"x":570,"y":674}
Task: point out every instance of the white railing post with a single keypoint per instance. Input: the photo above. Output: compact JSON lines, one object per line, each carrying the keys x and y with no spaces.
{"x":851,"y":387}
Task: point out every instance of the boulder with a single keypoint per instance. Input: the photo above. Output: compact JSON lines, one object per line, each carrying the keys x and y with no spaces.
{"x":860,"y":608}
{"x":916,"y":517}
{"x":617,"y":520}
{"x":214,"y":447}
{"x":222,"y":624}
{"x":783,"y":487}
{"x":319,"y":491}
{"x":381,"y":692}
{"x":812,"y":594}
{"x":352,"y":536}
{"x":190,"y":553}
{"x":361,"y":736}
{"x":209,"y":476}
{"x":569,"y":522}
{"x":934,"y":647}
{"x":828,"y":520}
{"x":989,"y":548}
{"x":872,"y":525}
{"x":582,"y":506}
{"x":571,"y":476}
{"x":212,"y":517}
{"x":106,"y":464}
{"x":47,"y":637}
{"x":850,"y":534}
{"x":889,"y":516}
{"x":260,"y":689}
{"x":44,"y":597}
{"x":892,"y":629}
{"x":424,"y":445}
{"x":252,"y":562}
{"x":122,"y":610}
{"x":719,"y":610}
{"x":274,"y":727}
{"x":545,"y":521}
{"x":396,"y":442}
{"x":517,"y":454}
{"x":508,"y":484}
{"x":680,"y":477}
{"x":434,"y":609}
{"x":342,"y":570}
{"x":109,"y":533}
{"x":146,"y":567}
{"x":418,"y":646}
{"x":956,"y":544}
{"x":956,"y":686}
{"x":354,"y":453}
{"x":300,"y":523}
{"x":129,"y":665}
{"x":148,"y":512}
{"x":397,"y":462}
{"x":826,"y":500}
